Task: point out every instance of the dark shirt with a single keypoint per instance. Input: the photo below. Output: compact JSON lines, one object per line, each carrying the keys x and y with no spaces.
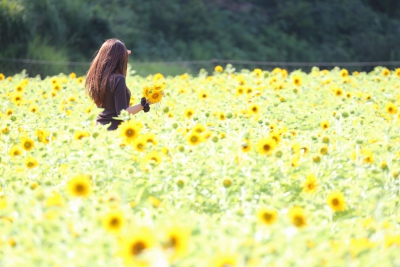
{"x":115,"y":100}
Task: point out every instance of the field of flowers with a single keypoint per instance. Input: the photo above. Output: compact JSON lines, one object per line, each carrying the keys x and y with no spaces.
{"x":233,"y":168}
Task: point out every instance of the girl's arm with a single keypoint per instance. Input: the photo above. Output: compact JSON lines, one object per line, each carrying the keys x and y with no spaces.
{"x":134,"y":109}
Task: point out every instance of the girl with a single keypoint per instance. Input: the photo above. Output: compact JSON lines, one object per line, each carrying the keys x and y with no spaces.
{"x":105,"y":83}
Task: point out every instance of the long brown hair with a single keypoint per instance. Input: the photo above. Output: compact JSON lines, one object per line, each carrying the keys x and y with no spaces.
{"x":111,"y":58}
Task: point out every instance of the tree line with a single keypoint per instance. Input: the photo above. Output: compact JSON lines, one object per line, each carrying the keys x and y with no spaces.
{"x":173,"y":30}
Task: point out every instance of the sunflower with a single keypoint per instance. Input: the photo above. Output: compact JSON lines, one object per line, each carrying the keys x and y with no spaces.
{"x":203,"y":94}
{"x":222,"y":116}
{"x":246,"y":146}
{"x":129,"y":131}
{"x":254,"y":109}
{"x":15,"y":150}
{"x":79,"y":135}
{"x":199,"y":128}
{"x":113,"y":221}
{"x":296,"y":80}
{"x":276,"y":137}
{"x":265,"y":146}
{"x":19,"y":88}
{"x":140,"y":144}
{"x":134,"y":245}
{"x":391,"y":108}
{"x":267,"y":216}
{"x":258,"y":72}
{"x":224,"y":260}
{"x":31,"y":162}
{"x":323,"y":150}
{"x":9,"y":112}
{"x":336,"y":201}
{"x":325,"y":125}
{"x":240,"y":90}
{"x":44,"y":136}
{"x":338,"y":92}
{"x":310,"y":184}
{"x":55,"y":199}
{"x":27,"y":143}
{"x":219,"y":69}
{"x":79,"y":186}
{"x":146,"y":91}
{"x":2,"y":77}
{"x":297,"y":217}
{"x":176,"y":241}
{"x":33,"y":108}
{"x":150,"y":138}
{"x":155,"y":96}
{"x":72,"y":75}
{"x":194,"y":138}
{"x":344,"y":73}
{"x":385,"y":72}
{"x":16,"y":99}
{"x":189,"y":112}
{"x":397,"y":72}
{"x":153,"y":157}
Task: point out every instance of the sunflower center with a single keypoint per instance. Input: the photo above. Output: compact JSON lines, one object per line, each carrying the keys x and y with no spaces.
{"x":267,"y":216}
{"x":130,"y":132}
{"x":335,"y":202}
{"x":173,"y":241}
{"x":298,"y":220}
{"x":137,"y":248}
{"x":27,"y":145}
{"x":267,"y":147}
{"x":114,"y":222}
{"x":193,"y":139}
{"x":79,"y":188}
{"x":155,"y":95}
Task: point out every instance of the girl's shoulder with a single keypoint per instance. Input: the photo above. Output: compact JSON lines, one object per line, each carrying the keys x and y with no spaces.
{"x":117,"y":77}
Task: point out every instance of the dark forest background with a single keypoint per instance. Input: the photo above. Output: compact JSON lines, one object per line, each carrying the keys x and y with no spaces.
{"x":175,"y":30}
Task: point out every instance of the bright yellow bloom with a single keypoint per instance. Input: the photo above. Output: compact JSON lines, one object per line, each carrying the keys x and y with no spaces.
{"x":296,"y":80}
{"x":336,"y":201}
{"x":15,"y":150}
{"x":79,"y":186}
{"x":176,"y":241}
{"x":385,"y":72}
{"x":344,"y":73}
{"x":254,"y":109}
{"x":27,"y":143}
{"x":265,"y":146}
{"x":129,"y":131}
{"x":310,"y":185}
{"x":391,"y":108}
{"x":135,"y":244}
{"x":267,"y":216}
{"x":113,"y":221}
{"x":31,"y":162}
{"x":194,"y":138}
{"x":55,"y":199}
{"x":189,"y":112}
{"x":219,"y":69}
{"x":79,"y":135}
{"x":297,"y":217}
{"x":224,"y":260}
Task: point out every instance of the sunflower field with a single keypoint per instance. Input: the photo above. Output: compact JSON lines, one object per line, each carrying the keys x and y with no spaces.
{"x":230,"y":168}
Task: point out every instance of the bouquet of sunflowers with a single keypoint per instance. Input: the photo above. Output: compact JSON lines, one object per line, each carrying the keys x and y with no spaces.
{"x":154,"y":93}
